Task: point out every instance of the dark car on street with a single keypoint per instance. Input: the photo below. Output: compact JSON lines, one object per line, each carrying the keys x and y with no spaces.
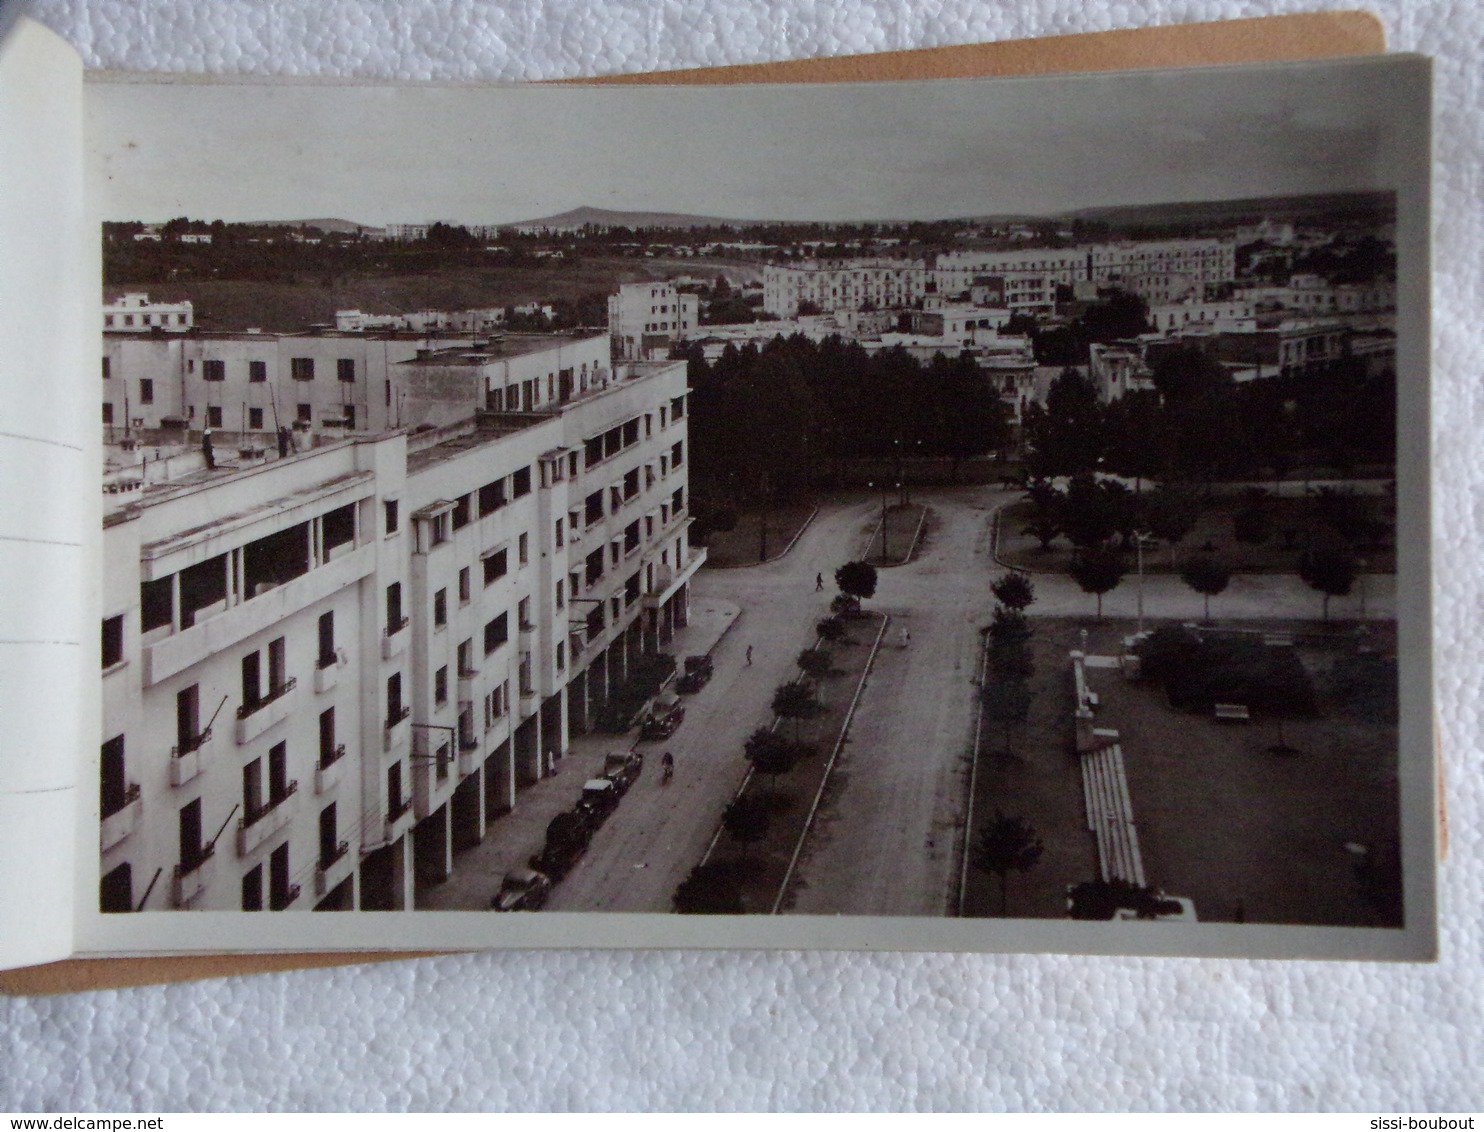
{"x":567,"y":836}
{"x":622,"y":768}
{"x":522,"y":890}
{"x":599,"y":799}
{"x":698,"y":671}
{"x":664,"y":717}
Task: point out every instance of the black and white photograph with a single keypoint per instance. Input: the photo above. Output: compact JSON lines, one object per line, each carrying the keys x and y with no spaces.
{"x":977,"y":514}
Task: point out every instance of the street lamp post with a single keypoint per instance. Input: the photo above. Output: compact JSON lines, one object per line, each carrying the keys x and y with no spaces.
{"x":1139,"y":537}
{"x":884,"y":488}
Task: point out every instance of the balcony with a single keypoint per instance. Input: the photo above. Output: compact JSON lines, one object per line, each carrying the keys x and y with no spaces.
{"x":278,"y":901}
{"x":190,"y":878}
{"x":256,"y":828}
{"x":220,"y":628}
{"x":255,"y":718}
{"x":327,"y":774}
{"x":468,"y":759}
{"x":396,"y":823}
{"x":466,"y":689}
{"x":332,"y":869}
{"x":394,"y":638}
{"x":191,"y":760}
{"x":327,"y":673}
{"x":397,"y":729}
{"x":122,"y":820}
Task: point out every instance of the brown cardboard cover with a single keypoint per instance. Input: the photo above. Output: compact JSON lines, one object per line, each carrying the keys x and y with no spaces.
{"x":1268,"y":39}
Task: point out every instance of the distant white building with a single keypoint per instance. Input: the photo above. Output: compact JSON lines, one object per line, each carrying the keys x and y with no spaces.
{"x":645,"y":319}
{"x":132,"y":312}
{"x":844,"y":285}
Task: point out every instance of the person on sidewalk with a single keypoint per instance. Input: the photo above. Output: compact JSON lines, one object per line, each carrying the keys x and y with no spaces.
{"x":818,"y":582}
{"x":749,"y":656}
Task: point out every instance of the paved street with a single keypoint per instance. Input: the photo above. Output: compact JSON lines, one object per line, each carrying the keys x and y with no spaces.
{"x":887,"y":837}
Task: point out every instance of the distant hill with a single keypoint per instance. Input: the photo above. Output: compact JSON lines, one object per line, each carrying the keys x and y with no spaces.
{"x":608,"y":218}
{"x":1359,"y":206}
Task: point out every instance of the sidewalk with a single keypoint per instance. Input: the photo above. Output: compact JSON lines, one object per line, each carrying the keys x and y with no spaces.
{"x":510,"y":840}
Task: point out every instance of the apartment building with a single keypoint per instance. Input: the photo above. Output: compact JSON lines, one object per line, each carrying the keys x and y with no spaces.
{"x":645,"y":319}
{"x":1164,"y":271}
{"x":324,"y":673}
{"x":843,"y":285}
{"x":1159,"y":271}
{"x":246,"y":385}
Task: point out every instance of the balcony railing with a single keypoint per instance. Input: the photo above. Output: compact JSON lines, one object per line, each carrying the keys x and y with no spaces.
{"x":327,"y":860}
{"x":276,"y":693}
{"x":113,"y":805}
{"x":330,"y":758}
{"x":396,"y":626}
{"x":192,"y":744}
{"x":395,"y":810}
{"x":252,"y":816}
{"x":120,"y":817}
{"x":278,"y":901}
{"x":190,"y":877}
{"x":397,"y":716}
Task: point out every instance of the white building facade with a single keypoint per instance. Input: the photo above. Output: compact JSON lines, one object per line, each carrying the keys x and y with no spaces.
{"x":843,"y":285}
{"x":646,"y":319}
{"x":325,"y":673}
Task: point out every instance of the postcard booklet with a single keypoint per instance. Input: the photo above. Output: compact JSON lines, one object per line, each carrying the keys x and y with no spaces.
{"x":967,"y":514}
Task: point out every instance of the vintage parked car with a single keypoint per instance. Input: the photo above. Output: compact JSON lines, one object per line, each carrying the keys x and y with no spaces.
{"x":522,"y":890}
{"x":664,"y":717}
{"x":599,"y":799}
{"x":567,"y":836}
{"x":622,"y":769}
{"x":698,"y":670}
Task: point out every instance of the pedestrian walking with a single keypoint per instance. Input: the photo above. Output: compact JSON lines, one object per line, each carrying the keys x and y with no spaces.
{"x":749,"y":655}
{"x":906,"y":638}
{"x":667,"y":766}
{"x":818,"y":582}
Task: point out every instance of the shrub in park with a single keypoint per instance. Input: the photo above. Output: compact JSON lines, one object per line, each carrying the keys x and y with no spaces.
{"x":1013,"y":590}
{"x":830,"y":629}
{"x":1008,"y":626}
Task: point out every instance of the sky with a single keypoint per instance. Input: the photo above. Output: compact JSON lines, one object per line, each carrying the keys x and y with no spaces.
{"x":908,"y":150}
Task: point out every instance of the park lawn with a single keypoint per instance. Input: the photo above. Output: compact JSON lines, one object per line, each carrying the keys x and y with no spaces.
{"x":894,"y":542}
{"x":761,"y":866}
{"x":1221,"y":819}
{"x":741,"y":545}
{"x":1213,"y":532}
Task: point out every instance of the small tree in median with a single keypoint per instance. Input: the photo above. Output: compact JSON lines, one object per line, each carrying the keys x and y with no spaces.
{"x":1097,"y":571}
{"x":1006,"y":703}
{"x":1008,"y":626}
{"x":746,"y":819}
{"x":796,"y":702}
{"x":711,"y":889}
{"x":857,"y":579}
{"x":1006,"y":845}
{"x":1206,"y":576}
{"x":771,"y":753}
{"x":1013,"y":590}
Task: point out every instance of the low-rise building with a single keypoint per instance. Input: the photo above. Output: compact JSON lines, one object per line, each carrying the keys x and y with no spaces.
{"x":133,"y":313}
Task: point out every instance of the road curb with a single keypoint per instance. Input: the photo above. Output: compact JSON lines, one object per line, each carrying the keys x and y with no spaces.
{"x":804,"y":526}
{"x":830,"y":766}
{"x":968,"y":838}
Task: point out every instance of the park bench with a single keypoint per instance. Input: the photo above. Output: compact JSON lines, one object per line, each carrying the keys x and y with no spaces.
{"x":1232,"y":713}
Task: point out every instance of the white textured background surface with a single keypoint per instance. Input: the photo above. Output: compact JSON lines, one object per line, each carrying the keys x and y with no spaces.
{"x":688,"y":1030}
